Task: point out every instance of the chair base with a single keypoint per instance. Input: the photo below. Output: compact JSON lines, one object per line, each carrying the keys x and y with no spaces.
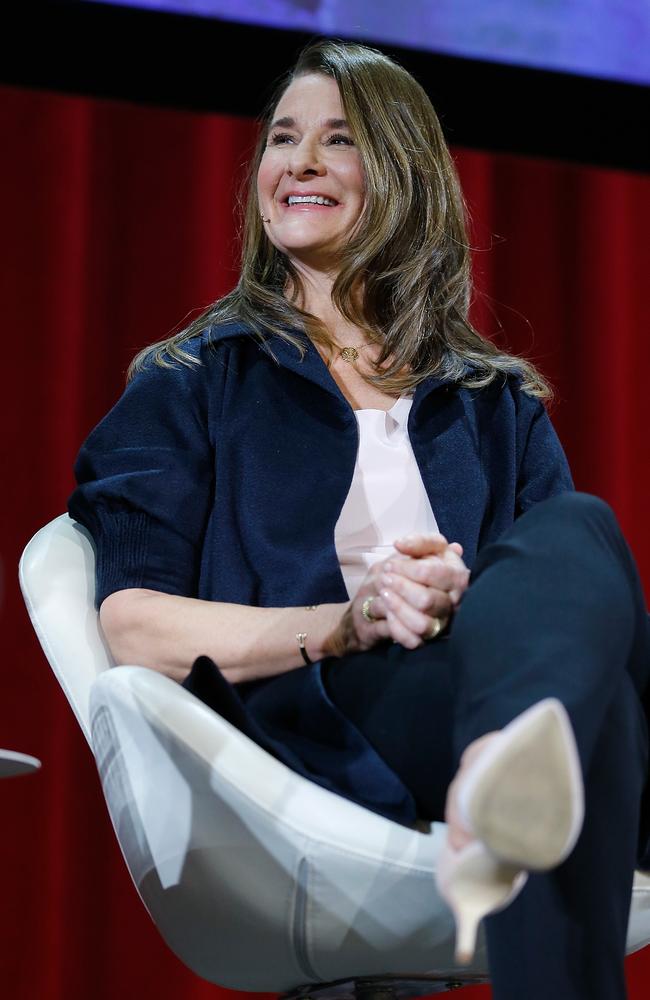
{"x":385,"y":987}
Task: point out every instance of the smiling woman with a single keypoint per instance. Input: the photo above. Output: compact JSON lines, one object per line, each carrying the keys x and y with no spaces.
{"x":384,"y":274}
{"x":249,"y":508}
{"x":310,"y":181}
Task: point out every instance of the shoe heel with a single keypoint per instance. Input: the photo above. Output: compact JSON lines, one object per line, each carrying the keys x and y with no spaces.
{"x":467,"y":923}
{"x":475,"y":884}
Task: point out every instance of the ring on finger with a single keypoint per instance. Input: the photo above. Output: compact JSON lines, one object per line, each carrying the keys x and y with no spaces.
{"x":436,"y":627}
{"x":365,"y":609}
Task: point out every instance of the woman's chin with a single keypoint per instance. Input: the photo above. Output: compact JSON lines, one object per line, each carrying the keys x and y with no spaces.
{"x":320,"y":258}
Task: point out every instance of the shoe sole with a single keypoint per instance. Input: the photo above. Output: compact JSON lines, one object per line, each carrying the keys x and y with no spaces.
{"x":523,"y":797}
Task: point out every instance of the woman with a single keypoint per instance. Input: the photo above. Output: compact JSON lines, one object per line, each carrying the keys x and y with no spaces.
{"x":249,"y":494}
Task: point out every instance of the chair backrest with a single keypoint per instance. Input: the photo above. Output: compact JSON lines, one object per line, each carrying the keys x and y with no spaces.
{"x":221,"y":839}
{"x":57,"y":578}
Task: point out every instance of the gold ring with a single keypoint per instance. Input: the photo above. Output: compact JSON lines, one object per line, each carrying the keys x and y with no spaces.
{"x":365,"y":609}
{"x":434,"y":629}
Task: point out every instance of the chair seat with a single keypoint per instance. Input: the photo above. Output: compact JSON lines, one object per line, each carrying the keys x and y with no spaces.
{"x":235,"y":854}
{"x":313,"y":885}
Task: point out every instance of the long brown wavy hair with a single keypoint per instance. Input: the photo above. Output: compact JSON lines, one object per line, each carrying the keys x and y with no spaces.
{"x":404,"y":277}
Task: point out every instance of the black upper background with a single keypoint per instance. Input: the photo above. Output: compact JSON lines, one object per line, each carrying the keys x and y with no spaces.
{"x":205,"y":64}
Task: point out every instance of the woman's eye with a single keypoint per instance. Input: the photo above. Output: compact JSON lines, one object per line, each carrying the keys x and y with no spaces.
{"x":341,"y":138}
{"x":279,"y":137}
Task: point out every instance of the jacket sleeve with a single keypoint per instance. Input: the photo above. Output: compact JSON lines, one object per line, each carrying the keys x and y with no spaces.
{"x":543,"y":466}
{"x":145,"y":483}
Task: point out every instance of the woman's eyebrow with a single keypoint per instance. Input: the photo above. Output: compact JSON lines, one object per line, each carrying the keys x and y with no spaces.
{"x":288,"y":122}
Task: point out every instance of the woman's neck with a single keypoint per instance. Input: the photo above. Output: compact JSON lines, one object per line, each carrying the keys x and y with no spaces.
{"x":315,"y":297}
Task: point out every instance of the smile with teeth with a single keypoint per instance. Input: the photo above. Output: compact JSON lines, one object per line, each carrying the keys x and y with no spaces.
{"x":310,"y":199}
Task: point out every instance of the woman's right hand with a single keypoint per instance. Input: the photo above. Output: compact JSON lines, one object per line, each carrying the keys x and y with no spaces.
{"x":431,"y":586}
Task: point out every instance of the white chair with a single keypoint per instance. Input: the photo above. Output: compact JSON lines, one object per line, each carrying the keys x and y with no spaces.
{"x":256,"y":878}
{"x":13,"y":763}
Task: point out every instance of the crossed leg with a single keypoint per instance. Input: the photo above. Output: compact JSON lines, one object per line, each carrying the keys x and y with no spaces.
{"x":554,"y":608}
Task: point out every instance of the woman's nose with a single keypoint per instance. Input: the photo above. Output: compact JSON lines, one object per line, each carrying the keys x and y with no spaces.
{"x":305,"y":161}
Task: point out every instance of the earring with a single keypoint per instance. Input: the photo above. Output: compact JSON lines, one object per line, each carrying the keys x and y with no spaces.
{"x":262,"y":217}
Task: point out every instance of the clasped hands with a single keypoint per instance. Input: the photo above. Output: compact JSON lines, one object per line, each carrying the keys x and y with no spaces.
{"x":425,"y":579}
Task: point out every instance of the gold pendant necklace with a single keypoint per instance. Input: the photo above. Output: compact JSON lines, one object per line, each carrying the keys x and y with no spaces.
{"x":349,"y":354}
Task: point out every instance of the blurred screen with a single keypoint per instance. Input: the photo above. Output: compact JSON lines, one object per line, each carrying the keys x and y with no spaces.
{"x":602,"y":38}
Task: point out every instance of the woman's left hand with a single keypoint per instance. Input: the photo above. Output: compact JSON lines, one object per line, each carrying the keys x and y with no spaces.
{"x":425,"y":564}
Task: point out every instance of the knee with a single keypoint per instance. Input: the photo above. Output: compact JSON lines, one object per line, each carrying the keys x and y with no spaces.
{"x":567,"y":519}
{"x":553,"y":527}
{"x":584,"y":506}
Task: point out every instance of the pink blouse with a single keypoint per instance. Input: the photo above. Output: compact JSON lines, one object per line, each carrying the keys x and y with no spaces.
{"x":386,"y":499}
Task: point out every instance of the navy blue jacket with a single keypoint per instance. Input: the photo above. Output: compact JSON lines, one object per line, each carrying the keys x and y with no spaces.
{"x":225,"y":482}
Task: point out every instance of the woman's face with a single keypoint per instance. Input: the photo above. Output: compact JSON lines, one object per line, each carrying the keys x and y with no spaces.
{"x":310,"y":154}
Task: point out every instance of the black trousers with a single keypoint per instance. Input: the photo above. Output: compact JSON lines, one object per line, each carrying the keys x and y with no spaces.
{"x":555,"y":607}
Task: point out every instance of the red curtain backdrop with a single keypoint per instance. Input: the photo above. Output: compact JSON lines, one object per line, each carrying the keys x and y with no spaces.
{"x":117,"y":221}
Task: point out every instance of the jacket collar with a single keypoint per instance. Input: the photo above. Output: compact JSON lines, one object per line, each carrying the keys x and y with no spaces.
{"x":312,"y":366}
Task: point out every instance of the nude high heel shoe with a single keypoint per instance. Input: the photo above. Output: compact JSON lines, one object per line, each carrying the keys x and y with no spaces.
{"x":474,"y":884}
{"x":523,"y":799}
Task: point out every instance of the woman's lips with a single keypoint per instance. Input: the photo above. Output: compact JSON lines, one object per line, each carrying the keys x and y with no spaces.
{"x":308,"y":206}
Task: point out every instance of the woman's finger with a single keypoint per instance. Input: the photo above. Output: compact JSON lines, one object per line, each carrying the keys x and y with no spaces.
{"x":417,"y":622}
{"x":425,"y":598}
{"x":388,"y":626}
{"x":381,"y":628}
{"x":401,"y":633}
{"x":394,"y":621}
{"x":420,"y":545}
{"x":442,"y":573}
